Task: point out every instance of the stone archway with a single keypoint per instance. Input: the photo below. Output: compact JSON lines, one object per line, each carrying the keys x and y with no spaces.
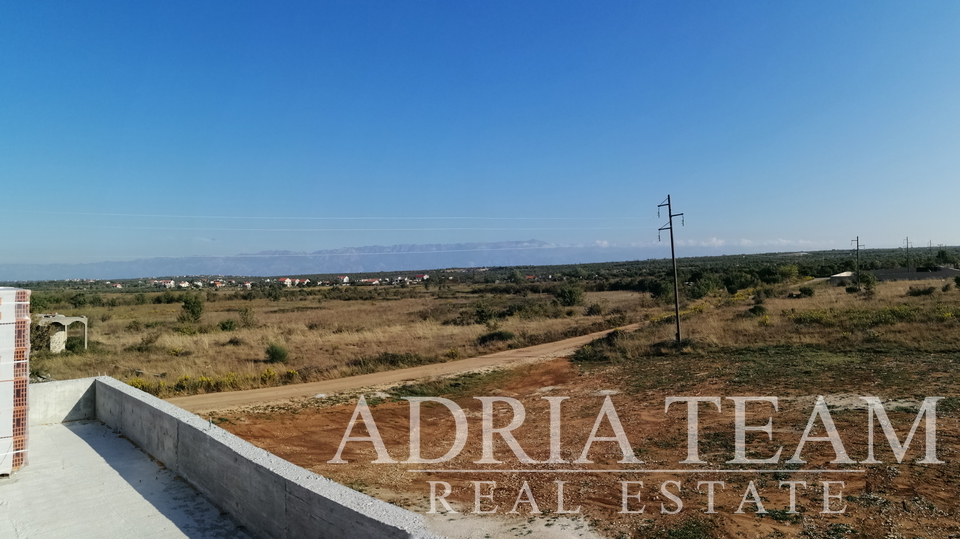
{"x":60,"y":323}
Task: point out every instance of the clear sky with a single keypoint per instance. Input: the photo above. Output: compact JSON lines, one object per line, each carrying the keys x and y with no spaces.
{"x":132,"y":129}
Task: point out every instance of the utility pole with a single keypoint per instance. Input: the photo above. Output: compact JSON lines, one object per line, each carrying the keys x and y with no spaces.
{"x":906,"y":243}
{"x":673,"y":255}
{"x":858,"y":260}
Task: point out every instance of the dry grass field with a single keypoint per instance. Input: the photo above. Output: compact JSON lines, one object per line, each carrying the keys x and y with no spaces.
{"x":889,"y":317}
{"x":147,"y":346}
{"x":894,"y":343}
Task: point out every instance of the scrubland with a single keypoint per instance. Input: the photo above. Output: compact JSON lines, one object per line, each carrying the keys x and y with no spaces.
{"x":899,"y":342}
{"x":152,"y":347}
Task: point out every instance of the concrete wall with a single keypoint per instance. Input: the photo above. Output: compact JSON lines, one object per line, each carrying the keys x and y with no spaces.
{"x":59,"y":402}
{"x":58,"y":338}
{"x":270,"y":496}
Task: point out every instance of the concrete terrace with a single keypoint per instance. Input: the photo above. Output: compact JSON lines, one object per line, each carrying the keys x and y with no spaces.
{"x":107,"y":460}
{"x":84,"y":480}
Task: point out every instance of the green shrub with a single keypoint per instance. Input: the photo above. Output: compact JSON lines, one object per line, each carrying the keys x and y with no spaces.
{"x":40,"y":302}
{"x":391,"y":360}
{"x":757,"y":310}
{"x":569,"y":294}
{"x":141,"y":384}
{"x":595,"y":309}
{"x":945,"y":313}
{"x":167,"y":297}
{"x":269,"y":376}
{"x":495,"y":336}
{"x":483,"y":313}
{"x":146,"y":343}
{"x":916,"y":291}
{"x":246,"y":317}
{"x":192,"y":309}
{"x":40,"y":337}
{"x":276,"y":354}
{"x":856,"y":318}
{"x":187,"y":329}
{"x":605,"y":349}
{"x":529,"y":309}
{"x":184,"y":383}
{"x":806,"y":291}
{"x":228,"y":325}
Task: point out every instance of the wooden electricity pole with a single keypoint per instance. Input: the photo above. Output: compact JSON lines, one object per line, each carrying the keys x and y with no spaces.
{"x":858,"y":261}
{"x":673,"y":255}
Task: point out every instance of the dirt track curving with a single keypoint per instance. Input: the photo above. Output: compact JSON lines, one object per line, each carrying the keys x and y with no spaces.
{"x":209,"y":402}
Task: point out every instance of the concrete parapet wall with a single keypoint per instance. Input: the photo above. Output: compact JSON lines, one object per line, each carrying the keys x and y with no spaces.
{"x":59,"y":402}
{"x":271,"y":497}
{"x":150,"y":423}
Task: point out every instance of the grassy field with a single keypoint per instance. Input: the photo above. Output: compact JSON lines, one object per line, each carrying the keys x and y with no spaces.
{"x":900,"y":342}
{"x":151,"y":346}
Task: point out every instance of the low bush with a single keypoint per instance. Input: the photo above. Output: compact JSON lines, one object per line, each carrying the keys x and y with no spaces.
{"x":389,"y":360}
{"x":495,"y":336}
{"x":75,"y":345}
{"x":608,"y":348}
{"x":855,"y":318}
{"x":228,"y":325}
{"x":246,"y":317}
{"x":276,"y":353}
{"x":917,"y":291}
{"x":146,"y":343}
{"x":483,"y":312}
{"x":595,"y":309}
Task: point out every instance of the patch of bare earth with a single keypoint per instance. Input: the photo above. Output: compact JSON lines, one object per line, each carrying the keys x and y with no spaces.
{"x":881,"y":500}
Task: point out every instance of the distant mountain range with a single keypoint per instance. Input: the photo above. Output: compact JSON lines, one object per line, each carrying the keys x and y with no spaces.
{"x":346,"y":260}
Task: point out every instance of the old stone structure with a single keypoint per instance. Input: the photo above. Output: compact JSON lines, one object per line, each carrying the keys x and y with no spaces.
{"x":60,"y":323}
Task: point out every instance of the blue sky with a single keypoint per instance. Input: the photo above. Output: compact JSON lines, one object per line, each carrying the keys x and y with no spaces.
{"x":132,"y":129}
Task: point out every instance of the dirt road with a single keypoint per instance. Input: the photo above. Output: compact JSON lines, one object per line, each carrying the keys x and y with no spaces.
{"x":201,"y":404}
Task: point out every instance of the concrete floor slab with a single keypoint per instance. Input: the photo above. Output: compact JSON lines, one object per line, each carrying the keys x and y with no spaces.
{"x":82,"y":480}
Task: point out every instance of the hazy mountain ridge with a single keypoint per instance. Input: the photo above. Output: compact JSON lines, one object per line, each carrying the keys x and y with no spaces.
{"x":374,"y":258}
